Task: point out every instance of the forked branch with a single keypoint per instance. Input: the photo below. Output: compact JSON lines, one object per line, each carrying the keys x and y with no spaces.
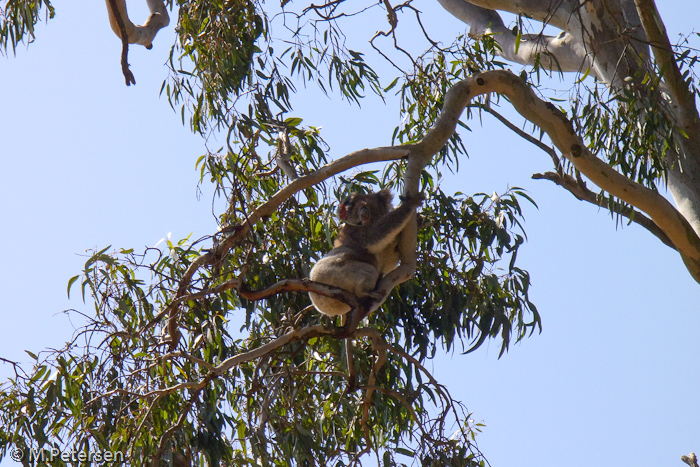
{"x":137,"y":34}
{"x":129,"y":33}
{"x":560,"y":130}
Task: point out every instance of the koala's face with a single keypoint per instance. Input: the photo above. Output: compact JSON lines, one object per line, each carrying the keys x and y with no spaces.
{"x":359,"y":209}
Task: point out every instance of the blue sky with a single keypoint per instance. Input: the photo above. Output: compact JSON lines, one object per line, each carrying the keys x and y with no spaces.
{"x":87,"y":162}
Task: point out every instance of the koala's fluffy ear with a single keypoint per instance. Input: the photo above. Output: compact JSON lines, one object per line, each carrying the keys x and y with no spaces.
{"x":343,"y":210}
{"x":385,"y":196}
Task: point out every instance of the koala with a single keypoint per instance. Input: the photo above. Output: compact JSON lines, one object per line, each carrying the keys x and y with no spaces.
{"x":366,"y":250}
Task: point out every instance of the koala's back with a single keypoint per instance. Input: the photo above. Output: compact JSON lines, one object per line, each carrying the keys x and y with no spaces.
{"x":343,"y":271}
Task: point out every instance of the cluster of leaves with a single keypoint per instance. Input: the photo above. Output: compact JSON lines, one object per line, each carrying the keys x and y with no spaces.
{"x":125,"y":389}
{"x":229,"y":74}
{"x":463,"y":246}
{"x":118,"y":394}
{"x":122,"y":393}
{"x":631,"y":127}
{"x":687,"y":58}
{"x":219,"y":41}
{"x":423,"y":91}
{"x":17,"y":21}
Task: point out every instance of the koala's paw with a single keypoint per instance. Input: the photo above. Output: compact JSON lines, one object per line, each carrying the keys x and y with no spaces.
{"x":375,"y":295}
{"x":413,"y":201}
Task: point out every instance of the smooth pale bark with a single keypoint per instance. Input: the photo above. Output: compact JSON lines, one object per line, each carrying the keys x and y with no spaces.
{"x":589,"y":34}
{"x":684,"y":176}
{"x":136,"y":34}
{"x":563,"y":52}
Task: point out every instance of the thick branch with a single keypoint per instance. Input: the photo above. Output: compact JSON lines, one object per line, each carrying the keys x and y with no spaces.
{"x":578,"y":188}
{"x":683,"y":98}
{"x":596,"y":36}
{"x":691,"y":459}
{"x":559,"y":129}
{"x":304,"y":285}
{"x":559,"y":53}
{"x":557,"y":13}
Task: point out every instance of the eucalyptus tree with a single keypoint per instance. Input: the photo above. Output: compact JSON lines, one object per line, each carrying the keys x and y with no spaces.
{"x":166,"y":378}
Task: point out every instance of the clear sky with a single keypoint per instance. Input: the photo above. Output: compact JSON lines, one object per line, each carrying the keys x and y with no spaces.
{"x":87,"y":162}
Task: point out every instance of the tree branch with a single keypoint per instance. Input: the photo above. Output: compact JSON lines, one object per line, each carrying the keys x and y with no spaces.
{"x":683,"y":98}
{"x":116,"y":19}
{"x":603,"y":36}
{"x":561,"y":132}
{"x":136,"y":34}
{"x":305,"y":285}
{"x":561,"y":53}
{"x":578,"y":188}
{"x":558,"y":14}
{"x":691,"y":459}
{"x":379,"y":346}
{"x":527,"y":137}
{"x":294,"y":335}
{"x":129,"y":33}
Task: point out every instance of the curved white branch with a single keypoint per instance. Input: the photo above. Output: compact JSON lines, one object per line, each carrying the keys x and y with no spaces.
{"x":558,"y":14}
{"x":559,"y":53}
{"x":611,"y":39}
{"x":136,"y":34}
{"x":684,"y":172}
{"x":559,"y":129}
{"x":604,"y":37}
